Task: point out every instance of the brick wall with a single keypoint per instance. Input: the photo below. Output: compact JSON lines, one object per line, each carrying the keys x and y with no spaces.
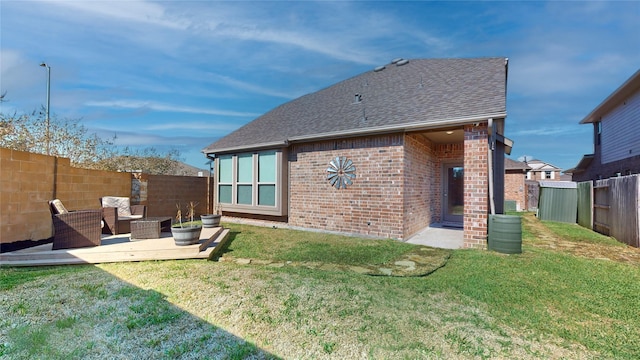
{"x":397,"y":190}
{"x":514,"y":188}
{"x":373,"y":205}
{"x":421,"y":200}
{"x":423,"y":181}
{"x":476,"y":186}
{"x":28,"y":181}
{"x":540,"y":175}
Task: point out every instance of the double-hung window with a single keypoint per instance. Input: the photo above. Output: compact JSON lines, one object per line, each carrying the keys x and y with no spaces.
{"x":252,"y":183}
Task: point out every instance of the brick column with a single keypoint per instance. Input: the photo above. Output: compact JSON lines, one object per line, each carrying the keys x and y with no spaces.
{"x":476,"y":186}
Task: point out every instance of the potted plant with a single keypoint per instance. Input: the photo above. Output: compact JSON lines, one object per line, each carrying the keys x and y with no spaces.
{"x":186,"y":233}
{"x":212,"y":220}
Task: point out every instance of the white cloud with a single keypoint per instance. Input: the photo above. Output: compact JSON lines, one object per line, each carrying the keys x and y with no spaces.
{"x":208,"y":126}
{"x":133,"y":104}
{"x":143,"y":12}
{"x":548,"y":131}
{"x":238,"y":84}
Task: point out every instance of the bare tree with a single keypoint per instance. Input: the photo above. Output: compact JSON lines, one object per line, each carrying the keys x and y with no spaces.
{"x":148,"y":160}
{"x":71,"y":139}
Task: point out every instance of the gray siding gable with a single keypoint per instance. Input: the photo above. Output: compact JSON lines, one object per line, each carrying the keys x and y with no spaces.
{"x":427,"y":93}
{"x":620,"y":135}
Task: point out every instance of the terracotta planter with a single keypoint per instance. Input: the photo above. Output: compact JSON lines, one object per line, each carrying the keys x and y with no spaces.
{"x":210,"y":220}
{"x":186,"y":235}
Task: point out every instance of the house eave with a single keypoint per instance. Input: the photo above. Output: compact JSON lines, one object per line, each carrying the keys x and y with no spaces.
{"x":618,"y":96}
{"x":261,"y":146}
{"x":417,"y":126}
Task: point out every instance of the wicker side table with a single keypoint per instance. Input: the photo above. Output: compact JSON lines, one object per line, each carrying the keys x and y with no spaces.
{"x":149,"y":228}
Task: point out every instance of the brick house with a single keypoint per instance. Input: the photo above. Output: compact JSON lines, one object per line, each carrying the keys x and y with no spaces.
{"x":543,"y":171}
{"x":616,"y":139}
{"x":384,"y":154}
{"x":514,"y":183}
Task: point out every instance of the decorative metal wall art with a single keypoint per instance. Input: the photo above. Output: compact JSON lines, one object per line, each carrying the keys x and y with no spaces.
{"x":341,"y":172}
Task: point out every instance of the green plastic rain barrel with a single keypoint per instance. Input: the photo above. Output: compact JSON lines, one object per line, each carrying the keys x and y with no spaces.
{"x":505,"y":234}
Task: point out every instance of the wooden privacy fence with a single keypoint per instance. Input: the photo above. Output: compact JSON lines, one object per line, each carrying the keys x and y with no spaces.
{"x":615,"y":207}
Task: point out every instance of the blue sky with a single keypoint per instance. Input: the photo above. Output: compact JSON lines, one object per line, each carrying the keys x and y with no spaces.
{"x":185,"y":73}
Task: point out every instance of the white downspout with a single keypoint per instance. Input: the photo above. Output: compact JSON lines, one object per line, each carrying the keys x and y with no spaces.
{"x":490,"y":158}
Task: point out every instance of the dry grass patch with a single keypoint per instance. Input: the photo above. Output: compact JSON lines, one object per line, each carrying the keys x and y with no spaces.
{"x":576,"y":240}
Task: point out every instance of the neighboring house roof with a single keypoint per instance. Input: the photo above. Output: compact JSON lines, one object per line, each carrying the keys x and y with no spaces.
{"x":188,"y":170}
{"x":407,"y":95}
{"x":558,"y":184}
{"x":538,"y":165}
{"x":515,"y":165}
{"x":621,"y":94}
{"x":583,"y":165}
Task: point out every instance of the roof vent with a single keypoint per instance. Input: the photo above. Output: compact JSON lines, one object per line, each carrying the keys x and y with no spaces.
{"x":396,"y":60}
{"x":379,"y":68}
{"x":358,"y":98}
{"x":402,"y":62}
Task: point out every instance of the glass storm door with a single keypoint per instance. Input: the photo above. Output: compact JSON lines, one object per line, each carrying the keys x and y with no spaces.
{"x":453,"y":194}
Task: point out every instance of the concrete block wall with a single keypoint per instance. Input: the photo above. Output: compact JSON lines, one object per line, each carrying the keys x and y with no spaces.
{"x":28,"y":181}
{"x":476,"y":186}
{"x":372,"y":206}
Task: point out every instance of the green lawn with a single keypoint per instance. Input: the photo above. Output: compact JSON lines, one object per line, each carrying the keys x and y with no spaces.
{"x":541,"y":304}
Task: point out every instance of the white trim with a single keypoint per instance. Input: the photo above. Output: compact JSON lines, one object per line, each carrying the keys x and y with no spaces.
{"x":247,"y":148}
{"x":280,"y":207}
{"x":392,"y":128}
{"x":417,"y":126}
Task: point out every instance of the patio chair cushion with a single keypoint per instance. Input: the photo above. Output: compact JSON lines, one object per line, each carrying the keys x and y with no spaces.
{"x":57,"y":205}
{"x":130,"y":217}
{"x":121,"y":203}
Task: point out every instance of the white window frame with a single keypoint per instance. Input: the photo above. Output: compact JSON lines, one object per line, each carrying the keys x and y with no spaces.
{"x":280,"y":197}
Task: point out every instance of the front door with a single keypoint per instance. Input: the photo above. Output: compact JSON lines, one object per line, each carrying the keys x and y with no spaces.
{"x":453,"y":194}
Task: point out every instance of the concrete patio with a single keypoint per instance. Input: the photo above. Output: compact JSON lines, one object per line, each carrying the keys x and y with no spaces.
{"x":439,"y":236}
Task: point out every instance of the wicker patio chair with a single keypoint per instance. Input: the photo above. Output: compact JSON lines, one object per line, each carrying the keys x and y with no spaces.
{"x":118,"y":213}
{"x":74,"y":229}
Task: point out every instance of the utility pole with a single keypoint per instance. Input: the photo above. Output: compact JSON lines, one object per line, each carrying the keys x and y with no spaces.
{"x":48,"y":139}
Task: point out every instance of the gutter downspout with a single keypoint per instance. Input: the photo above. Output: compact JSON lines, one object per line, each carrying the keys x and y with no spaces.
{"x":210,"y":188}
{"x":490,"y":161}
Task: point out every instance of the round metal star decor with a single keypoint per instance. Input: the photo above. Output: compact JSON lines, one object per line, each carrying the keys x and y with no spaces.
{"x":341,"y":172}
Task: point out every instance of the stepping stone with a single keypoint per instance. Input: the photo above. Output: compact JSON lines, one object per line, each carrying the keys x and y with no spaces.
{"x":406,"y":263}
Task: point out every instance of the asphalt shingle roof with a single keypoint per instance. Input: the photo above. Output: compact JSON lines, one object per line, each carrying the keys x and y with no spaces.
{"x":510,"y":164}
{"x":422,"y":92}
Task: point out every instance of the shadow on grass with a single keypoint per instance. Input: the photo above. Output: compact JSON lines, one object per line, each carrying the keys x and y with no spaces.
{"x":224,"y":249}
{"x":82,"y":311}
